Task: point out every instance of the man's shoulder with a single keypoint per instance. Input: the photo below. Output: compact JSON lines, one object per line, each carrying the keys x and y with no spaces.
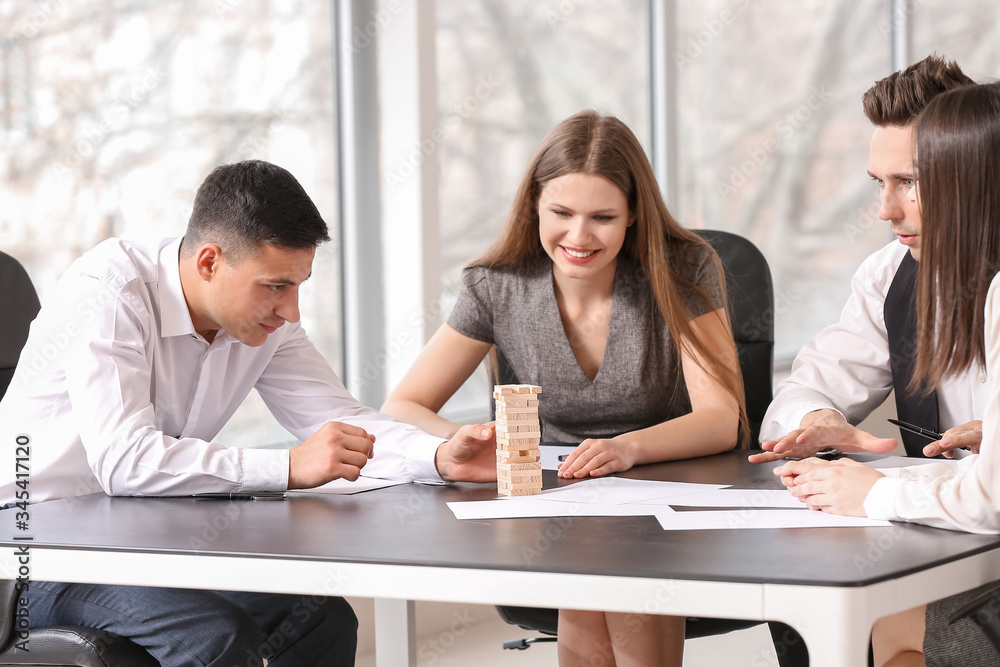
{"x":878,"y":270}
{"x":886,"y":258}
{"x":118,"y":262}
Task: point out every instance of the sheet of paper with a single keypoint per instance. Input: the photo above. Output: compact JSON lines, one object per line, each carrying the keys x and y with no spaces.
{"x":905,"y":461}
{"x":733,"y":498}
{"x":343,"y":486}
{"x":533,"y":506}
{"x":752,"y":518}
{"x":619,"y":491}
{"x":550,"y":455}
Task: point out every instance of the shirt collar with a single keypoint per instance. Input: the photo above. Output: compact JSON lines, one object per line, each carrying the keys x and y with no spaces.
{"x":175,"y":318}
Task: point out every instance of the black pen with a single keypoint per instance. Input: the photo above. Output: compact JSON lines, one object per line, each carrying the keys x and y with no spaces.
{"x":264,"y":495}
{"x":926,"y":432}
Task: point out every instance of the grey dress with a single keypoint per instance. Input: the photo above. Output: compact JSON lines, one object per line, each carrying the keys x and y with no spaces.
{"x":959,"y":644}
{"x":640,"y":383}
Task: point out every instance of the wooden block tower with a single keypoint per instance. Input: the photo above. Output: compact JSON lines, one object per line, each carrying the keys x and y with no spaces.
{"x":519,"y":471}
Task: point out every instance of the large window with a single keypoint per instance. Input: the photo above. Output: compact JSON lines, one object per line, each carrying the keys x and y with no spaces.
{"x":113,"y":113}
{"x":508,"y":72}
{"x":774,"y":144}
{"x":968,"y":33}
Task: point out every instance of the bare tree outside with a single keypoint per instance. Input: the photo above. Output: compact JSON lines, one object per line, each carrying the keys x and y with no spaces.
{"x":113,"y":112}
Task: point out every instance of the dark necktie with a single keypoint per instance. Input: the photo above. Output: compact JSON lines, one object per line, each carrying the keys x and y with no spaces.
{"x":901,"y":326}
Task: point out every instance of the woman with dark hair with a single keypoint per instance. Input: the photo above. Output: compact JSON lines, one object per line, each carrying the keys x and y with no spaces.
{"x":957,"y":160}
{"x":596,"y":293}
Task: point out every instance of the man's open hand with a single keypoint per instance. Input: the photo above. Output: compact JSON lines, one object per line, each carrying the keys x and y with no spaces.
{"x":819,"y":430}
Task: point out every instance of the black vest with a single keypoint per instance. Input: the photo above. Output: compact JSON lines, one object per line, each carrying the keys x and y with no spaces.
{"x":901,"y":326}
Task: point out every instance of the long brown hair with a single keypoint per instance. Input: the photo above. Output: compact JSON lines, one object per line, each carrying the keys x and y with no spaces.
{"x":958,"y":148}
{"x":592,"y":144}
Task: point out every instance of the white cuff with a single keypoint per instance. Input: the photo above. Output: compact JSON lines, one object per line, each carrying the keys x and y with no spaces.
{"x":880,"y":501}
{"x":420,"y":464}
{"x":264,"y":470}
{"x":788,"y":418}
{"x":799,"y":411}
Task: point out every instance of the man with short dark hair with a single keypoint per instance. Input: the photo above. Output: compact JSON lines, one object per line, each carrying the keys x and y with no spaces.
{"x":138,"y":361}
{"x":849,"y":368}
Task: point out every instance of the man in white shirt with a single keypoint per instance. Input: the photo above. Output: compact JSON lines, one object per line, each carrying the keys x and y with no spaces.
{"x":139,"y":360}
{"x":849,"y":368}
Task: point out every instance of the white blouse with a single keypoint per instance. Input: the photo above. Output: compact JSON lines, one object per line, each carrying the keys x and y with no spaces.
{"x":963,"y":495}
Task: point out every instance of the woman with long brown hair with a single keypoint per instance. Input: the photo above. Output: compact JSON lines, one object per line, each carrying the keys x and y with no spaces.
{"x":596,"y":293}
{"x":957,"y":161}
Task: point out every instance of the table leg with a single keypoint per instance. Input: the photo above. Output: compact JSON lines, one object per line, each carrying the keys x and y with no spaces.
{"x":395,"y":633}
{"x":834,"y":623}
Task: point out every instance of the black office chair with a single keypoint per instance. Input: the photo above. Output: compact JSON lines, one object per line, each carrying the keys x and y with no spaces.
{"x":19,"y":305}
{"x":750,"y":293}
{"x":62,"y":646}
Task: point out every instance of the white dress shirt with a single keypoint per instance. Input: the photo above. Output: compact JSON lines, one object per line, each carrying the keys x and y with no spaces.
{"x":117,"y":392}
{"x":963,"y":495}
{"x":846,"y":366}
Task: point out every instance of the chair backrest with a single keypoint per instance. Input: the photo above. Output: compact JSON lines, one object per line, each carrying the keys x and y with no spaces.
{"x":19,"y":306}
{"x":750,"y":294}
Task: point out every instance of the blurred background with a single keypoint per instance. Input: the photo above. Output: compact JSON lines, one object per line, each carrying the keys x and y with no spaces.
{"x":410,"y":124}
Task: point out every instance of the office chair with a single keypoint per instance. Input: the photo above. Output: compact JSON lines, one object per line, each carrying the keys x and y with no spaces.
{"x":19,"y":304}
{"x":62,"y":646}
{"x":750,"y":293}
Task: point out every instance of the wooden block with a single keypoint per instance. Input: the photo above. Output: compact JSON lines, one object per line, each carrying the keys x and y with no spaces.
{"x":507,"y":446}
{"x":527,"y":438}
{"x":517,"y":419}
{"x":520,"y":485}
{"x":507,"y":409}
{"x":529,"y":450}
{"x":510,"y":428}
{"x":521,"y":440}
{"x":518,"y":492}
{"x":516,"y":467}
{"x":517,"y":403}
{"x":528,"y":456}
{"x":527,"y":470}
{"x":519,"y":475}
{"x":513,"y":432}
{"x":514,"y":481}
{"x":516,"y":389}
{"x":525,"y":416}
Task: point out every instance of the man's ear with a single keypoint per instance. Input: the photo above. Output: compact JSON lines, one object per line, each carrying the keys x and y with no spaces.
{"x":208,"y":261}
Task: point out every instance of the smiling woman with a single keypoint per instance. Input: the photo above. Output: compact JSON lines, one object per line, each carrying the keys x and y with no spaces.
{"x":594,"y":292}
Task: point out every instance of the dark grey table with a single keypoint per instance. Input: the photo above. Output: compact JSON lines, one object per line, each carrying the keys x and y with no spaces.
{"x":402,"y":543}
